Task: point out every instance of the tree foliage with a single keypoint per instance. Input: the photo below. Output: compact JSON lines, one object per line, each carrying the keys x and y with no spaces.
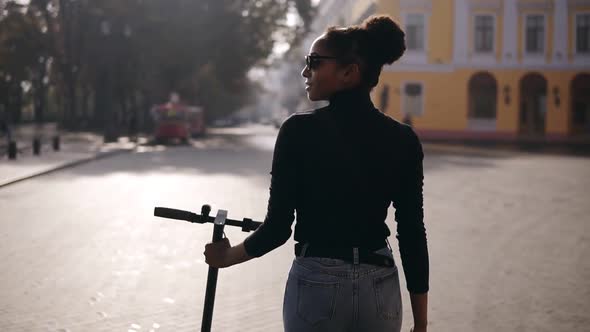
{"x":133,"y":53}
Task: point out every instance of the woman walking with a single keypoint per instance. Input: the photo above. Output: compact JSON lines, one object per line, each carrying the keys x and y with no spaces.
{"x":339,"y":168}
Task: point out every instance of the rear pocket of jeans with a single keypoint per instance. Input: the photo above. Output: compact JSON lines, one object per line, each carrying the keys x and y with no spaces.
{"x":316,"y":300}
{"x":388,"y":296}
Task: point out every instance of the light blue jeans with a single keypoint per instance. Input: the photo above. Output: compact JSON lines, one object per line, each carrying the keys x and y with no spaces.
{"x":332,"y":295}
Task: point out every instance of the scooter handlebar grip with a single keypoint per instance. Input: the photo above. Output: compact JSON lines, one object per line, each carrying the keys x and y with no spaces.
{"x":173,"y":214}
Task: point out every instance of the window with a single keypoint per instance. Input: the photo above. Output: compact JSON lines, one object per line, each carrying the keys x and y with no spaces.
{"x":413,"y":99}
{"x":484,"y":34}
{"x":583,"y":33}
{"x":483,"y":91}
{"x":535,"y":34}
{"x":415,"y":32}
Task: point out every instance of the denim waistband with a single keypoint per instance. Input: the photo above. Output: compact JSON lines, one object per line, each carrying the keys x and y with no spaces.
{"x":352,"y":255}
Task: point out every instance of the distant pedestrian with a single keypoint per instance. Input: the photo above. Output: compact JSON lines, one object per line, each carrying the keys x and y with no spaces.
{"x":339,"y":168}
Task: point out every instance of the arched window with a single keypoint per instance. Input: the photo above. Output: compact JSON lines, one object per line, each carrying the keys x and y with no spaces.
{"x":533,"y":104}
{"x":483,"y":91}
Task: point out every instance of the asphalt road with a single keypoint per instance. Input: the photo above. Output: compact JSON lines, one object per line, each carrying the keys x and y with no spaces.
{"x":81,"y":251}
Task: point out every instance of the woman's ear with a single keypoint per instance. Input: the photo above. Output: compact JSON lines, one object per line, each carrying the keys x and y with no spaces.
{"x":351,"y":74}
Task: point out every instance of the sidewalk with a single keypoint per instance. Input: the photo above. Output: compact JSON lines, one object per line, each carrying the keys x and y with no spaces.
{"x":505,"y":149}
{"x":75,"y":148}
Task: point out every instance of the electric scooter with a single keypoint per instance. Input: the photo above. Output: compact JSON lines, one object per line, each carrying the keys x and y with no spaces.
{"x":219,"y":223}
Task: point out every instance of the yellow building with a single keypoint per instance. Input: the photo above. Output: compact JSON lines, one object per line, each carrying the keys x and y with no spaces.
{"x":491,"y":69}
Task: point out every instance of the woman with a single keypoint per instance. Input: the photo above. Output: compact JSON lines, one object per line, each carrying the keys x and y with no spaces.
{"x":340,"y":167}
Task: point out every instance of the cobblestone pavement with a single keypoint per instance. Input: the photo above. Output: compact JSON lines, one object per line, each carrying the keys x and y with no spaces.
{"x":81,"y":250}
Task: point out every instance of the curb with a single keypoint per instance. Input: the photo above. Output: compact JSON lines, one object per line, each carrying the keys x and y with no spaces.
{"x":469,"y":150}
{"x":98,"y":156}
{"x":507,"y":150}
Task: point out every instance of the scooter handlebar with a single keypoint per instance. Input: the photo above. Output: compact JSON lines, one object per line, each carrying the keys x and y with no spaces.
{"x":247,"y":224}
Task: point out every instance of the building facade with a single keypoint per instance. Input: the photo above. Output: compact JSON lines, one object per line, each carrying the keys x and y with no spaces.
{"x":490,"y":69}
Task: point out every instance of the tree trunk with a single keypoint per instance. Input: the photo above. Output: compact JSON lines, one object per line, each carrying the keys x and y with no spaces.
{"x":67,"y":65}
{"x":72,"y":103}
{"x":40,"y":93}
{"x":84,"y":107}
{"x":100,"y":112}
{"x":15,"y":103}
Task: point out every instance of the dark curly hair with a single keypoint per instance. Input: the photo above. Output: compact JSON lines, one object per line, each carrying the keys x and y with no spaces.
{"x":377,"y":41}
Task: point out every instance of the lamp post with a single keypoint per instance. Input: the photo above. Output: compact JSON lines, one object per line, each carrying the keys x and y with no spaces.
{"x":131,"y":115}
{"x":111,"y":52}
{"x":104,"y":84}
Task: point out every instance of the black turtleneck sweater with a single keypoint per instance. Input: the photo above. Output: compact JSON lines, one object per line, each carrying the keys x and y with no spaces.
{"x":340,"y":167}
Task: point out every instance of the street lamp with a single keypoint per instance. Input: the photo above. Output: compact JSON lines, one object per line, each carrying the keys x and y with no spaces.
{"x":105,"y":85}
{"x":112,"y":51}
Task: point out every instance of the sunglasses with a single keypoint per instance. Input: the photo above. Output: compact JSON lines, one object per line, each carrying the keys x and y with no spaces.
{"x":313,"y":61}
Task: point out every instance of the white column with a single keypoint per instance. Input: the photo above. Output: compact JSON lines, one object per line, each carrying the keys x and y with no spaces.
{"x":510,"y":32}
{"x":461,"y":31}
{"x":560,"y":32}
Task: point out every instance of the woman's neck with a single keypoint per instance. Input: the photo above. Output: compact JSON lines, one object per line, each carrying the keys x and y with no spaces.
{"x":351,"y":100}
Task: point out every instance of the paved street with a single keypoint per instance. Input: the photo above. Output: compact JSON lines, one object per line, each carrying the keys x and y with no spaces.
{"x":508,"y":236}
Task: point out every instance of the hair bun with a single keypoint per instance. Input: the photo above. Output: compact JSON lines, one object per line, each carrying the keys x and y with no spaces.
{"x":386,"y":38}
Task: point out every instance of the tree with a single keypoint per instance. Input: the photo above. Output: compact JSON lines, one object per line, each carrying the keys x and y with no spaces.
{"x":22,"y":48}
{"x":130,"y":54}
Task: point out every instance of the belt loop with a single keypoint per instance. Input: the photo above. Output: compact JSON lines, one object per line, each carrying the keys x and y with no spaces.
{"x":304,"y":249}
{"x":355,"y":252}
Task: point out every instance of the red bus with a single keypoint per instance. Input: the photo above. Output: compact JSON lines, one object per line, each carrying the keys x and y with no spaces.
{"x":177,"y":121}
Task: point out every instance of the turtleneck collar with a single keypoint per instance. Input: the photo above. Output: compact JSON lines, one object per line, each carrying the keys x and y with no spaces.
{"x":351,"y":101}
